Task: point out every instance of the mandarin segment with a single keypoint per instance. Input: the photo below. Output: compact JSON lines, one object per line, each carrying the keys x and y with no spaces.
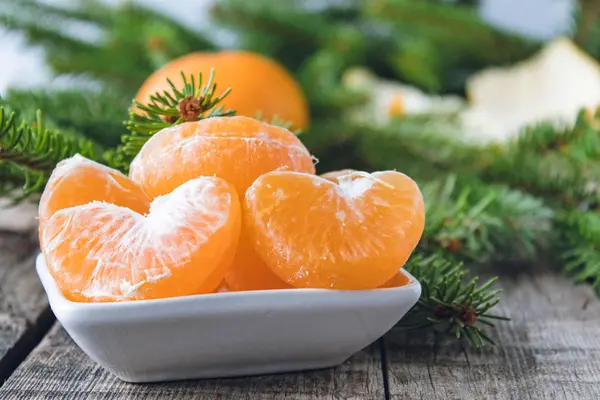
{"x":314,"y":233}
{"x":397,"y":280}
{"x":77,"y":180}
{"x":102,"y":251}
{"x":237,"y":149}
{"x":249,"y":271}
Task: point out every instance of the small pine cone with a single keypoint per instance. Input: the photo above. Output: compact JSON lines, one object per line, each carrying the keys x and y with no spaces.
{"x":454,"y":246}
{"x":190,"y":108}
{"x":468,"y":316}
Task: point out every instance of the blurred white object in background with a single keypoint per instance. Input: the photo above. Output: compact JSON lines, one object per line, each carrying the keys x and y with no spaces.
{"x":387,"y":99}
{"x":553,"y":85}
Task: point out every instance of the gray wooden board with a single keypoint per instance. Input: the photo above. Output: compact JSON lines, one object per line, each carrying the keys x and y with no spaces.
{"x":58,"y":369}
{"x":22,"y":299}
{"x":550,"y":350}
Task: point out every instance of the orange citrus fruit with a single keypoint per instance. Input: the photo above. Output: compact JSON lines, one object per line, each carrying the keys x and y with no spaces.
{"x":115,"y":248}
{"x":249,"y":271}
{"x":314,"y":233}
{"x":77,"y":180}
{"x":397,"y":280}
{"x":237,"y":149}
{"x":258,"y":84}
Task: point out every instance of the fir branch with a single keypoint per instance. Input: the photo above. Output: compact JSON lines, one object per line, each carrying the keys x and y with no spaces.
{"x":453,"y":25}
{"x":133,"y":39}
{"x":193,"y":102}
{"x":588,"y":17}
{"x":259,"y":20}
{"x":559,"y":163}
{"x":12,"y":180}
{"x":424,"y":147}
{"x":92,"y":11}
{"x":449,"y":304}
{"x":480,"y":222}
{"x":96,"y":115}
{"x":35,"y":150}
{"x":579,"y":242}
{"x":278,"y":121}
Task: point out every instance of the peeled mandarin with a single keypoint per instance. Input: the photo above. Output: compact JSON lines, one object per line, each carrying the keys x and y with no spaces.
{"x":249,"y":271}
{"x":314,"y":233}
{"x":78,"y":180}
{"x":106,"y":250}
{"x":237,"y":149}
{"x":397,"y":280}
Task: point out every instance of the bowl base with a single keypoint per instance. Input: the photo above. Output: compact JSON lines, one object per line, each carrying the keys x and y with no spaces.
{"x":237,"y":372}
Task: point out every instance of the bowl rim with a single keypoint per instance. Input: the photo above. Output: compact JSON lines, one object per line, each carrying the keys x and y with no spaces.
{"x":58,"y":300}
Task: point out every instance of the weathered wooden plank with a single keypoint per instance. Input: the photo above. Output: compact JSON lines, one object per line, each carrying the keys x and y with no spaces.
{"x":59,"y":369}
{"x":550,"y":350}
{"x":24,"y":312}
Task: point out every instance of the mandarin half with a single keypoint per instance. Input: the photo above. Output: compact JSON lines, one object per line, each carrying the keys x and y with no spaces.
{"x":103,"y":240}
{"x":258,"y":84}
{"x":249,"y":271}
{"x":315,"y":233}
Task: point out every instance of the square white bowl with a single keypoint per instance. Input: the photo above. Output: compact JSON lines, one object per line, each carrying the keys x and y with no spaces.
{"x":229,"y":334}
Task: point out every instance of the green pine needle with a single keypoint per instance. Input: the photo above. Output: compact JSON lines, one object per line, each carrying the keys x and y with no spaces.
{"x":33,"y":150}
{"x":193,"y":102}
{"x":559,"y":163}
{"x":580,"y":244}
{"x":450,"y":304}
{"x":278,"y":121}
{"x":479,"y":222}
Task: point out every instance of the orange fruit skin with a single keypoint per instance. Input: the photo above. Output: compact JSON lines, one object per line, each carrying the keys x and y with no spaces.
{"x":237,"y":149}
{"x":258,"y":84}
{"x":104,"y":251}
{"x":314,"y":233}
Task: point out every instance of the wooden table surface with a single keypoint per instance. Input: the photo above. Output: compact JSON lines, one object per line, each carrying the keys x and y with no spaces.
{"x":550,"y":350}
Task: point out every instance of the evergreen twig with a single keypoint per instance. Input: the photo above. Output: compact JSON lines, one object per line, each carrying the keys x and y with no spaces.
{"x":449,"y":304}
{"x":580,"y":244}
{"x":560,"y":163}
{"x":479,"y":222}
{"x":195,"y":101}
{"x":90,"y":113}
{"x":35,"y":150}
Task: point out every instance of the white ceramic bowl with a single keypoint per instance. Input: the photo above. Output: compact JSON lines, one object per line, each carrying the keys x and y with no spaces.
{"x":229,"y":334}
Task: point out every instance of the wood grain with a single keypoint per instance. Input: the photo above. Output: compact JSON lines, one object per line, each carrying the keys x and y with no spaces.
{"x":550,"y":350}
{"x":58,"y":369}
{"x":24,"y":312}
